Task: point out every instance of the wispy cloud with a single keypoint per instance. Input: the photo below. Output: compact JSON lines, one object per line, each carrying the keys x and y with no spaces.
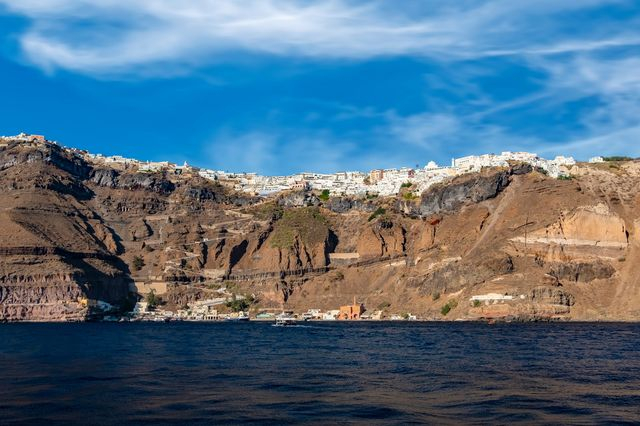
{"x":114,"y":37}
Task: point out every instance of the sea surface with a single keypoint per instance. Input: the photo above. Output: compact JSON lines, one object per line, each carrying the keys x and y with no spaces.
{"x":319,"y":373}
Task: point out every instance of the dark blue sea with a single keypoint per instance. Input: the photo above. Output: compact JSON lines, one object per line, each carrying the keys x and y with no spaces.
{"x":320,"y":373}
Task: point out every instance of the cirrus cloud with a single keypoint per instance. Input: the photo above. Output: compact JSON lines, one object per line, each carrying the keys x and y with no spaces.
{"x":115,"y":37}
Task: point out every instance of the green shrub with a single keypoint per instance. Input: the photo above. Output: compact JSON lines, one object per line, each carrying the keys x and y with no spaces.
{"x":617,"y":158}
{"x":409,"y":196}
{"x":138,"y":263}
{"x":379,"y":211}
{"x":448,"y":307}
{"x":152,"y":300}
{"x":476,"y":303}
{"x":406,"y":185}
{"x":237,"y":305}
{"x":565,"y":177}
{"x":324,"y":195}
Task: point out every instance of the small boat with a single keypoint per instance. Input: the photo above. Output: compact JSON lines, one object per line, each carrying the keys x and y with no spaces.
{"x":240,"y":317}
{"x":285,"y":319}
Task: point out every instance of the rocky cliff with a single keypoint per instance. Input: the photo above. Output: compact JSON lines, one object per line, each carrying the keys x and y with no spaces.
{"x":503,"y":243}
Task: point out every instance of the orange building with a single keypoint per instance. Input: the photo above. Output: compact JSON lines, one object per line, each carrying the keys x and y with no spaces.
{"x":351,"y":312}
{"x":376,"y":175}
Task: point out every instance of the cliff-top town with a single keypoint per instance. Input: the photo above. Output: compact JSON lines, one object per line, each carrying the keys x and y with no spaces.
{"x":382,"y":182}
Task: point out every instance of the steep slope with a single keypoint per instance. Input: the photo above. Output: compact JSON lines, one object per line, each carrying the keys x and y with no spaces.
{"x":503,"y":243}
{"x":56,"y":254}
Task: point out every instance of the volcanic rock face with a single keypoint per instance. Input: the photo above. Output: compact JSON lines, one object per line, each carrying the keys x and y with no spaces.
{"x":449,"y":197}
{"x":345,"y":204}
{"x":383,"y":238}
{"x":511,"y":244}
{"x":582,"y":271}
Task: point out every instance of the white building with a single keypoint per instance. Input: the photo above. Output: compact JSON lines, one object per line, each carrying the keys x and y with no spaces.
{"x":331,"y":315}
{"x":491,"y":297}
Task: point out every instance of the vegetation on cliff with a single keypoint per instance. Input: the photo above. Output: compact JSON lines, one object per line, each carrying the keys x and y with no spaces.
{"x":307,"y":223}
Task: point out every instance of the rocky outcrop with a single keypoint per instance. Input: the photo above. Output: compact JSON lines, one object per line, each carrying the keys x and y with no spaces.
{"x":383,"y":238}
{"x":105,"y":177}
{"x":551,"y":296}
{"x":451,"y":276}
{"x":298,"y":199}
{"x":471,"y":189}
{"x":71,"y":164}
{"x":468,"y":189}
{"x":49,"y":155}
{"x":157,"y":183}
{"x":271,"y":255}
{"x":140,"y":230}
{"x":586,"y":225}
{"x":109,"y":178}
{"x":542,"y":303}
{"x":581,"y":271}
{"x":202,"y":193}
{"x":345,"y":204}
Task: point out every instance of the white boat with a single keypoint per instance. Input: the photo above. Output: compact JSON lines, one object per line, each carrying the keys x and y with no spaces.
{"x":242,"y":316}
{"x":285,"y":319}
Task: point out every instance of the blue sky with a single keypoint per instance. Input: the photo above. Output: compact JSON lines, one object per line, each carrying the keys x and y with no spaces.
{"x":281,"y":86}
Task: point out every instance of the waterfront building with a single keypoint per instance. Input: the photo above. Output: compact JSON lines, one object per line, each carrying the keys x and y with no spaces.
{"x":331,"y":315}
{"x":351,"y":312}
{"x":313,"y":314}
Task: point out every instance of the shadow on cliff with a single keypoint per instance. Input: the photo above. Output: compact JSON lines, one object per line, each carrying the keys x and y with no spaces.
{"x":113,"y":288}
{"x":330,"y":245}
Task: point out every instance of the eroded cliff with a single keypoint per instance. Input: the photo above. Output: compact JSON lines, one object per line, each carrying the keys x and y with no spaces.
{"x":504,"y":243}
